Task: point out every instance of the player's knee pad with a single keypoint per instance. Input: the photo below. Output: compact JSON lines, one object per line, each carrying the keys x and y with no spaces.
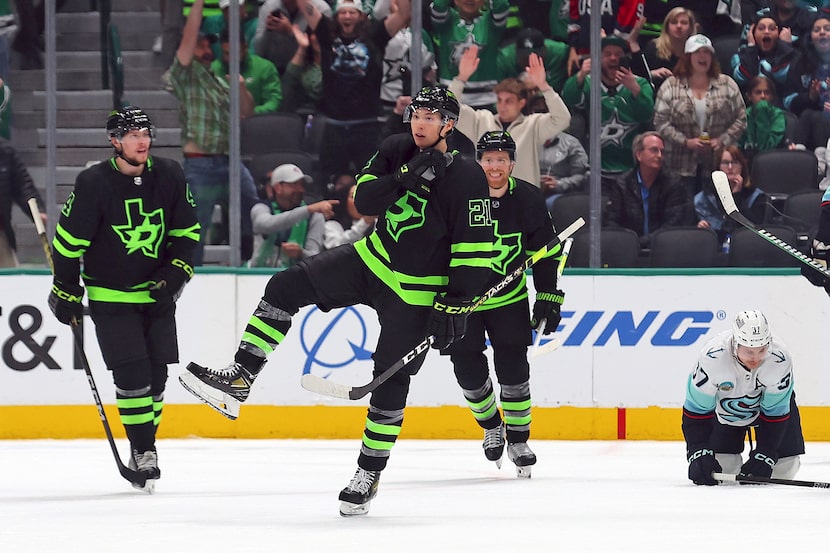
{"x":511,"y":364}
{"x":730,"y":463}
{"x":289,"y":290}
{"x":787,"y":467}
{"x":136,"y":374}
{"x":470,"y":369}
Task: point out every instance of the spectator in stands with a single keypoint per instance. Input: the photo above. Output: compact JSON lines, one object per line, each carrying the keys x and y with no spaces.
{"x":656,"y":61}
{"x":8,"y":29}
{"x":528,"y":131}
{"x":618,"y":19}
{"x":275,"y":39}
{"x":812,"y":104}
{"x":31,"y":17}
{"x":794,"y":18}
{"x":513,"y":58}
{"x":302,"y":82}
{"x":16,"y":187}
{"x":647,"y":197}
{"x":563,"y":165}
{"x":352,"y":64}
{"x":286,"y":229}
{"x":215,"y":24}
{"x":456,"y":28}
{"x":347,"y":226}
{"x":261,"y":77}
{"x":751,"y":201}
{"x":766,"y":125}
{"x":698,"y":111}
{"x":765,"y":53}
{"x":627,"y":105}
{"x":204,"y":105}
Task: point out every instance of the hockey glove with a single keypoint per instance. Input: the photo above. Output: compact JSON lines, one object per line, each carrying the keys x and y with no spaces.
{"x":759,"y":464}
{"x":169,"y":281}
{"x":547,"y":307}
{"x":816,"y":278}
{"x":449,"y":320}
{"x":419,"y":173}
{"x":702,"y":464}
{"x":65,"y":301}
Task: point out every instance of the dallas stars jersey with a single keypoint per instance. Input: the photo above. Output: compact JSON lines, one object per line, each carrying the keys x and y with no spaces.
{"x":521,"y":227}
{"x":125,"y":228}
{"x":453,"y":36}
{"x":737,"y":396}
{"x":624,"y":116}
{"x":423,"y":246}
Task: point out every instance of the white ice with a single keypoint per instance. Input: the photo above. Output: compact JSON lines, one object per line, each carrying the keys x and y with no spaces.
{"x":435,"y":496}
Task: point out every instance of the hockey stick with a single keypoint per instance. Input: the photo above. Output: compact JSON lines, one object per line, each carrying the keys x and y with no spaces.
{"x":554,"y":343}
{"x":314,"y":383}
{"x":725,"y":194}
{"x":130,"y":475}
{"x":723,"y":477}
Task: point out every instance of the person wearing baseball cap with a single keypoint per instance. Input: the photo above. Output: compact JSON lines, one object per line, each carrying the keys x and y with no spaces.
{"x":513,"y":59}
{"x":287,"y":229}
{"x":217,"y":24}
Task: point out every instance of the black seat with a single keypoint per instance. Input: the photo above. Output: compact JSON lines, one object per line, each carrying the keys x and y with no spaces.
{"x":620,"y":247}
{"x":747,"y":249}
{"x":782,"y":172}
{"x":684,"y":247}
{"x":802,"y":210}
{"x":726,"y":46}
{"x":791,"y":128}
{"x":568,"y":207}
{"x":264,"y":133}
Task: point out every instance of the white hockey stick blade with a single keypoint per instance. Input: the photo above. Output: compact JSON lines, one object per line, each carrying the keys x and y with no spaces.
{"x":314,"y":383}
{"x":725,"y":194}
{"x":548,"y":347}
{"x":539,"y":332}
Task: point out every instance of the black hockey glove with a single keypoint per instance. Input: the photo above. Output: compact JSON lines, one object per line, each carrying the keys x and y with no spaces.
{"x":816,"y":278}
{"x":449,"y":320}
{"x":169,"y":281}
{"x":547,"y":307}
{"x":759,"y":464}
{"x":65,"y":301}
{"x":702,"y":464}
{"x":418,"y":174}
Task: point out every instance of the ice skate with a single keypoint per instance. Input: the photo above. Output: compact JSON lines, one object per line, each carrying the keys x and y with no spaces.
{"x":147,"y":464}
{"x":521,"y":456}
{"x":222,"y":389}
{"x":494,"y":443}
{"x":355,"y":498}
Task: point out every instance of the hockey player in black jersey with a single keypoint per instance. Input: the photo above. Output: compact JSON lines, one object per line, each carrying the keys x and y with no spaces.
{"x":521,"y":226}
{"x":133,"y":221}
{"x":420,"y":269}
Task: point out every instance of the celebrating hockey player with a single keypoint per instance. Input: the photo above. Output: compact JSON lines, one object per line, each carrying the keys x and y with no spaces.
{"x":133,"y":220}
{"x":521,"y":224}
{"x":420,"y":269}
{"x":743,"y":379}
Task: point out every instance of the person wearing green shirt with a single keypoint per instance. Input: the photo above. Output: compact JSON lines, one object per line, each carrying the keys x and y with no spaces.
{"x":215,"y":24}
{"x":261,"y":77}
{"x":513,"y":58}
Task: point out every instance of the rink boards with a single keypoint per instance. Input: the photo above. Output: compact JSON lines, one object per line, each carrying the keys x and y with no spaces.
{"x":630,"y":338}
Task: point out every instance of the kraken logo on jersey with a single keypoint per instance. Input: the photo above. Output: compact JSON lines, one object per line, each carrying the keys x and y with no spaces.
{"x":405,"y":214}
{"x":505,"y":248}
{"x":738,"y":409}
{"x":143,"y":231}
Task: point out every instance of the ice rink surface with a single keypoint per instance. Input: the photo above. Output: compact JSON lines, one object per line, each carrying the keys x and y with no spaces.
{"x":435,"y":496}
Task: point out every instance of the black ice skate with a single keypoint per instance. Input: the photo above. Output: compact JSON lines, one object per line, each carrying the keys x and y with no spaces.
{"x":147,"y":464}
{"x":355,"y":498}
{"x":521,"y":456}
{"x":494,"y":443}
{"x":222,"y":389}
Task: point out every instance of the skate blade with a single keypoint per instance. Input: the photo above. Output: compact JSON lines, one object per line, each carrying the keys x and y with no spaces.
{"x":353,"y":509}
{"x":498,"y":463}
{"x":149,"y":486}
{"x":217,"y":399}
{"x":524,"y":472}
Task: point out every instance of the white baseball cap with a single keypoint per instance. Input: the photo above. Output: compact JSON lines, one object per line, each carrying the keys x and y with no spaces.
{"x":225,"y":3}
{"x":353,"y":4}
{"x":289,"y":173}
{"x":696,"y":42}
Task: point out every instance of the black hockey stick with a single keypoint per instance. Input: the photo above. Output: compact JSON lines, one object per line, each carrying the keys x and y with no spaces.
{"x":132,"y":476}
{"x":314,"y":383}
{"x":725,"y":194}
{"x":723,"y":477}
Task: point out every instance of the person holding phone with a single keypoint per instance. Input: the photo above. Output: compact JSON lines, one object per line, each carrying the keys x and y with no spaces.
{"x":274,"y":39}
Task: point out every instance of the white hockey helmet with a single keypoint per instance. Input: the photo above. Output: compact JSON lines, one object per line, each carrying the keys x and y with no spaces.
{"x":751,"y":329}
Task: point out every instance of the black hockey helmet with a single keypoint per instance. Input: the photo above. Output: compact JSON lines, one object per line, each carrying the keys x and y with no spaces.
{"x":437,"y":99}
{"x":126,"y":119}
{"x":494,"y":141}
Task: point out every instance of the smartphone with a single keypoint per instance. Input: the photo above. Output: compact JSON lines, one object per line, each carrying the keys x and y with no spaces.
{"x":278,"y":12}
{"x":625,"y":61}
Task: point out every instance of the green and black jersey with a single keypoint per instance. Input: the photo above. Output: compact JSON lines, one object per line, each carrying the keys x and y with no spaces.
{"x":125,"y":228}
{"x":422,"y":246}
{"x":521,"y":227}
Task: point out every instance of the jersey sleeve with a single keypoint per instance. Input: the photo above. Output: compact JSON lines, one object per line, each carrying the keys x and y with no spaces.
{"x":183,"y":231}
{"x":76,"y":228}
{"x":699,"y":407}
{"x":376,"y":186}
{"x":540,"y":233}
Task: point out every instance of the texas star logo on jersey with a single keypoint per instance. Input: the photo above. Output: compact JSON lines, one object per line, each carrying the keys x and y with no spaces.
{"x":405,"y":214}
{"x":143,"y":231}
{"x":505,"y":248}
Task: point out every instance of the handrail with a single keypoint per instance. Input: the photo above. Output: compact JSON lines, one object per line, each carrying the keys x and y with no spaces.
{"x":116,"y":65}
{"x":104,"y":10}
